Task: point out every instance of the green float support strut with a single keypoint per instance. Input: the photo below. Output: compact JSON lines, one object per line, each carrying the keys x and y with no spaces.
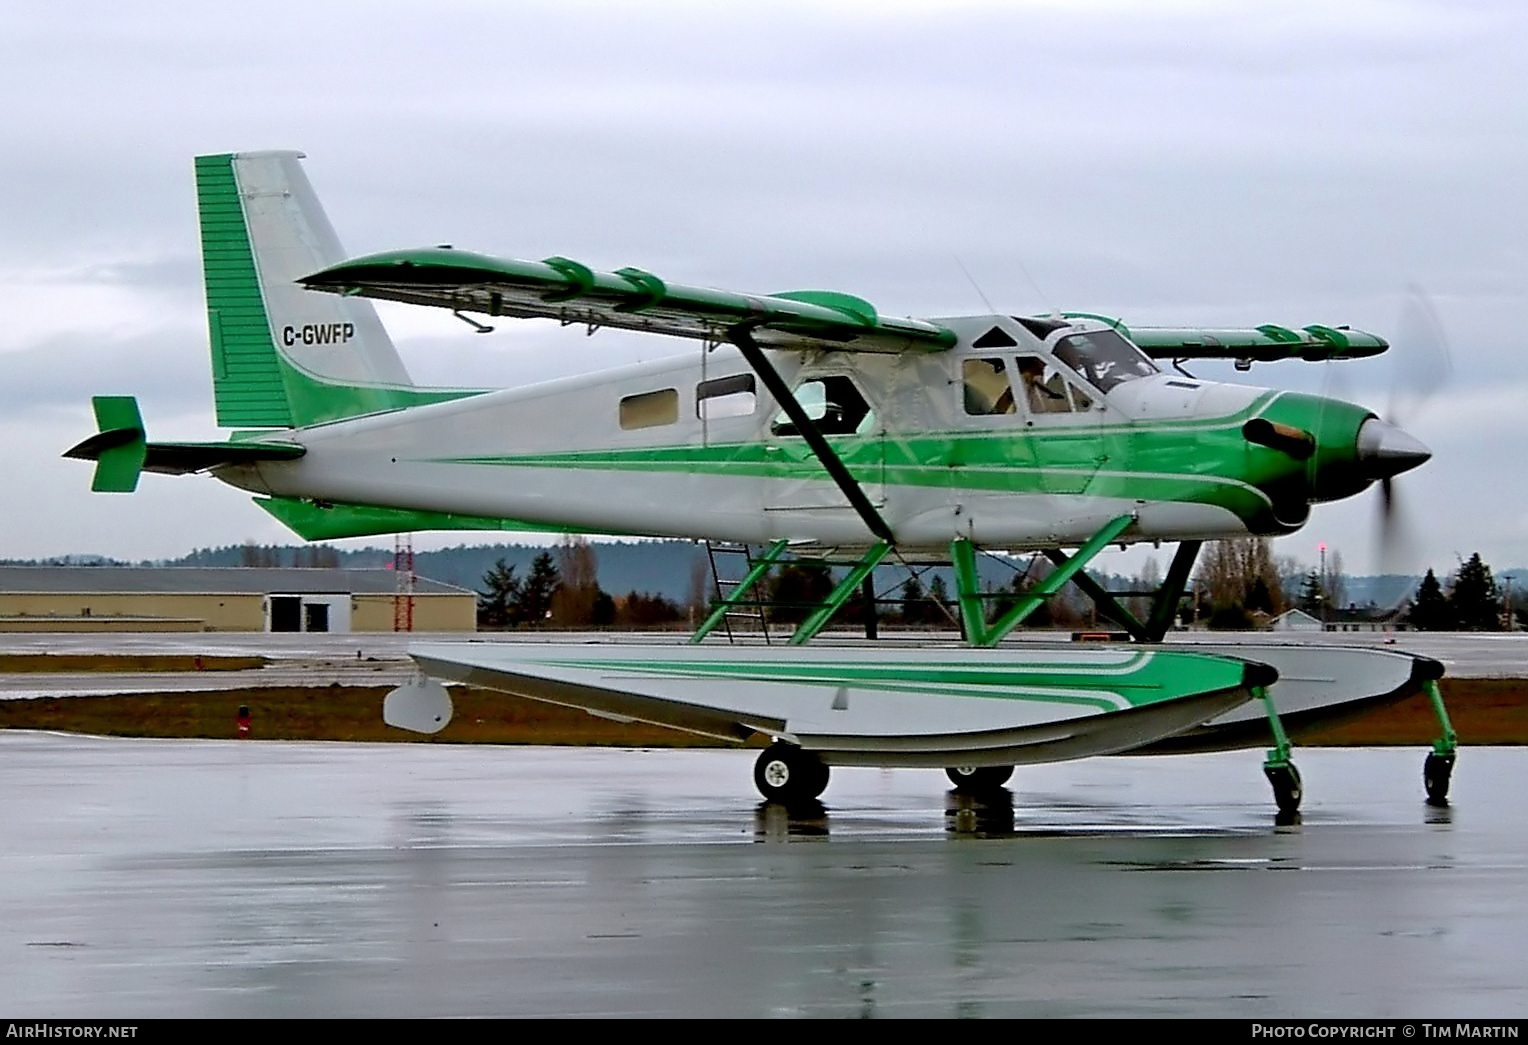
{"x":972,"y":615}
{"x":1448,"y":742}
{"x":819,"y":617}
{"x":1278,"y":756}
{"x":725,"y":606}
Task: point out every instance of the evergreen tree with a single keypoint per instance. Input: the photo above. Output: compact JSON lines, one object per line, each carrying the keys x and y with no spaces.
{"x":1473,"y":597}
{"x":645,"y":610}
{"x":1313,"y":595}
{"x":1430,"y":610}
{"x":500,"y":597}
{"x":797,"y":589}
{"x":913,"y":601}
{"x":536,"y":593}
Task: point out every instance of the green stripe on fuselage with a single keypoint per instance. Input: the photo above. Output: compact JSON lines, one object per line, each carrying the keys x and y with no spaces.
{"x":1202,"y":460}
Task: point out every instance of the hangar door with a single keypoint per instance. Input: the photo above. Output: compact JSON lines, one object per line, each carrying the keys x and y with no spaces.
{"x":308,"y":613}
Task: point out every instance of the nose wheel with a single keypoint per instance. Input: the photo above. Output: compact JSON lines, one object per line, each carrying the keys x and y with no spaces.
{"x":978,"y":780}
{"x":785,"y":773}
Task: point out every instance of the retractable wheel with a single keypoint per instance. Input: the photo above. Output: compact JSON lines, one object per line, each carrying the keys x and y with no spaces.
{"x":1287,"y":790}
{"x":975,"y":780}
{"x":1437,"y":772}
{"x":785,"y":773}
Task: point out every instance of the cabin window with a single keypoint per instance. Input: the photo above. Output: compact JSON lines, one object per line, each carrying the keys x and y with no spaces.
{"x":986,"y":387}
{"x":726,"y":397}
{"x":650,"y":409}
{"x":1104,"y":358}
{"x":833,"y":403}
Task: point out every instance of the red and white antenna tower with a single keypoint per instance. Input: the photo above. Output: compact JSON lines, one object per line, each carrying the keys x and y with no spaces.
{"x":403,"y":582}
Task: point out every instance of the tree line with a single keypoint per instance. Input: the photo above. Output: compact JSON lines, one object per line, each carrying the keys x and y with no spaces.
{"x":1240,"y":580}
{"x":561,"y":590}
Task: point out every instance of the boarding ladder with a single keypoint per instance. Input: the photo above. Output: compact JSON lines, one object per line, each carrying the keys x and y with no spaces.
{"x":738,"y":562}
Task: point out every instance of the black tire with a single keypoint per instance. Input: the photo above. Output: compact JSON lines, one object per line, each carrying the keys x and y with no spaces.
{"x":784,"y":773}
{"x":1287,"y":788}
{"x":1437,"y":773}
{"x":976,"y":780}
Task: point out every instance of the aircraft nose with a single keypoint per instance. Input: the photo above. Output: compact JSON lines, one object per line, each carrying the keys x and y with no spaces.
{"x":1384,"y":450}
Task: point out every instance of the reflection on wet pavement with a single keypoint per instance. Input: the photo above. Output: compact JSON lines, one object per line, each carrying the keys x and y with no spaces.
{"x":165,"y":878}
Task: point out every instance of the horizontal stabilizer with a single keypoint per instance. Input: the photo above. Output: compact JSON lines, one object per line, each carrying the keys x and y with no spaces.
{"x":118,"y":448}
{"x":629,"y":298}
{"x":122,"y":452}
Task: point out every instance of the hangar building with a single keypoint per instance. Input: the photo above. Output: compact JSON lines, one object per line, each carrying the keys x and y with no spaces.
{"x":238,"y":598}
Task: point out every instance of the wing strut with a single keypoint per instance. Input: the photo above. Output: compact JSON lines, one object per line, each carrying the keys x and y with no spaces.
{"x":742,"y":336}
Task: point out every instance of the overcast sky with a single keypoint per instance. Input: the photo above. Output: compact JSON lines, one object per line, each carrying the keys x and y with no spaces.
{"x":1172,"y":163}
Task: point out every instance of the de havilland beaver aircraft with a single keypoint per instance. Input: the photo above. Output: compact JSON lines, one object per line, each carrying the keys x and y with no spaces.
{"x":806,"y":423}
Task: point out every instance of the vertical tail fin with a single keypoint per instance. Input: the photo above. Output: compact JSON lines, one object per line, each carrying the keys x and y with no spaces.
{"x":281,"y":355}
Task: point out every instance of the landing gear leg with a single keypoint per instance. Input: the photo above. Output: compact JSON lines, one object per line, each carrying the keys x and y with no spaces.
{"x":1280,"y":771}
{"x":1438,"y":769}
{"x":978,"y":780}
{"x":784,"y":773}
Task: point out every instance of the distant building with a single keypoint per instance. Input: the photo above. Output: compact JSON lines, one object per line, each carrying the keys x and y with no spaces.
{"x":1354,"y":618}
{"x":1365,"y":618}
{"x":1294,"y":620}
{"x":132,"y":598}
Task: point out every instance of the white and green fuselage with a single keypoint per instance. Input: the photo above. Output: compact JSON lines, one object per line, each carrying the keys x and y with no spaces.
{"x":1166,"y":450}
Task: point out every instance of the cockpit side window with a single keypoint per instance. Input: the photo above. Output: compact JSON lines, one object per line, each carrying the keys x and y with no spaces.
{"x":1104,"y":359}
{"x":1045,"y":390}
{"x":833,"y":403}
{"x":986,"y":387}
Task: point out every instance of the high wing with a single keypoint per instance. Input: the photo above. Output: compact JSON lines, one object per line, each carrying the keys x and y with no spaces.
{"x":633,"y":299}
{"x":1263,"y":344}
{"x":572,"y":293}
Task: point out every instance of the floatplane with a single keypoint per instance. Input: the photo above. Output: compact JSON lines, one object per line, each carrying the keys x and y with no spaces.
{"x":807,"y":424}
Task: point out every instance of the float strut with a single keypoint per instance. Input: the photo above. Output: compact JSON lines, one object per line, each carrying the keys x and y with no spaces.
{"x":819,"y":617}
{"x":1278,"y":768}
{"x":1448,"y":742}
{"x":972,"y":613}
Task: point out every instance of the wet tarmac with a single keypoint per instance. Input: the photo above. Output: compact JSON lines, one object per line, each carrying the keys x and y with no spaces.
{"x":382,"y":660}
{"x":225,"y":878}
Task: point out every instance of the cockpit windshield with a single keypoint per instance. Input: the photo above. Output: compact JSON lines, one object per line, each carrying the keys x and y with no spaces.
{"x":1104,"y":358}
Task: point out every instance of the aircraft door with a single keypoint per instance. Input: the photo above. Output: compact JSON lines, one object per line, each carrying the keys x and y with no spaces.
{"x":1064,"y":418}
{"x":850,"y":422}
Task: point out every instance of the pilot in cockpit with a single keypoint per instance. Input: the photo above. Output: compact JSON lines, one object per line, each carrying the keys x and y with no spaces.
{"x":1042,"y":396}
